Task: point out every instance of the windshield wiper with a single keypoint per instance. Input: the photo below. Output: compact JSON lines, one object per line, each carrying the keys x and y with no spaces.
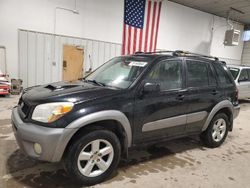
{"x":95,"y":82}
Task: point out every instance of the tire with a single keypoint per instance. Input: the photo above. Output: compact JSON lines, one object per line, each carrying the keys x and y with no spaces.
{"x":85,"y":171}
{"x":217,"y":131}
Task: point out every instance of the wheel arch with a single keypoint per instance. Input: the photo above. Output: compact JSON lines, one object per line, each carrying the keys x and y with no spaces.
{"x":224,"y":106}
{"x":111,"y":120}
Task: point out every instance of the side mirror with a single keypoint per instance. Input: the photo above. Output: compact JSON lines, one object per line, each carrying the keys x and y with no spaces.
{"x":151,"y":87}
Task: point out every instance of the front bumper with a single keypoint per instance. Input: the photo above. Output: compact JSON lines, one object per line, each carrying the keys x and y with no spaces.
{"x":53,"y":141}
{"x":236,"y":111}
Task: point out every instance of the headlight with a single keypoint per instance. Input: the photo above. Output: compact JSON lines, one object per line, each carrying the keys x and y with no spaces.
{"x":50,"y":112}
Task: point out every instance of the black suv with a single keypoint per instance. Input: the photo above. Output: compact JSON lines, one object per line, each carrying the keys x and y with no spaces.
{"x":130,"y":101}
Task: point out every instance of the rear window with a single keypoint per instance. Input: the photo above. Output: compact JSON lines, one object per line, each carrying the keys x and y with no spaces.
{"x":234,"y":72}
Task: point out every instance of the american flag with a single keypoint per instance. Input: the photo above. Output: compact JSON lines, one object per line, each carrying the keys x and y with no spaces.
{"x":141,"y":23}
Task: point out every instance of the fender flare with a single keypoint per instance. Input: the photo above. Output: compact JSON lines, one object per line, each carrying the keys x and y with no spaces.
{"x":223,"y":104}
{"x":104,"y":115}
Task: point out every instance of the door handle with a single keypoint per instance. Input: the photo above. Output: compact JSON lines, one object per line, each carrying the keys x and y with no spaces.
{"x":180,"y":97}
{"x":214,"y":92}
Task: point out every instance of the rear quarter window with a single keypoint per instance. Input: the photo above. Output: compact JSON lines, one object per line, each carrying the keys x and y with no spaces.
{"x":222,"y":74}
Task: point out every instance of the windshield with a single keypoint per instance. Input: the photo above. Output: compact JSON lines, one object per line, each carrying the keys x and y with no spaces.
{"x":234,"y":72}
{"x":117,"y":72}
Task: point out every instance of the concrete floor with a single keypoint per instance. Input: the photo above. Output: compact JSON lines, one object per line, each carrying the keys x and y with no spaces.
{"x":179,"y":163}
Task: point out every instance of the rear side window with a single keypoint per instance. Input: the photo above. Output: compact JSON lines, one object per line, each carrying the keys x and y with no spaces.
{"x":197,"y":74}
{"x":222,"y":74}
{"x":244,"y":76}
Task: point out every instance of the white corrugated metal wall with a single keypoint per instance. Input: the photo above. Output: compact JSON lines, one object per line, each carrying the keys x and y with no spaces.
{"x":41,"y":55}
{"x":246,"y":53}
{"x":2,"y":59}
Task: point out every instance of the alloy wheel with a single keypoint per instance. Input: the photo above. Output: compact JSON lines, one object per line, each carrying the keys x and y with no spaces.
{"x":95,"y":158}
{"x":219,"y":130}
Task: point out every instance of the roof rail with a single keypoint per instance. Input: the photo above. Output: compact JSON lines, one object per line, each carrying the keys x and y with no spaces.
{"x":179,"y":53}
{"x":156,"y":52}
{"x":186,"y":53}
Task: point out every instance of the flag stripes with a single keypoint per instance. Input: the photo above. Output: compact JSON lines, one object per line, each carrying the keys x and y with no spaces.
{"x":144,"y":38}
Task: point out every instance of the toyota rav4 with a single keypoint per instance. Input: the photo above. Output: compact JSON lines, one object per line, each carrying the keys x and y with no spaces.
{"x":129,"y":102}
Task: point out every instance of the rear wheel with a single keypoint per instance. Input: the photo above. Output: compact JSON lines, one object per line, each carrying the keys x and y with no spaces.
{"x":93,"y":158}
{"x":217,"y":131}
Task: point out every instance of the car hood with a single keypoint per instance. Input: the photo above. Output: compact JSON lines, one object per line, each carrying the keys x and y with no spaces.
{"x":74,"y":91}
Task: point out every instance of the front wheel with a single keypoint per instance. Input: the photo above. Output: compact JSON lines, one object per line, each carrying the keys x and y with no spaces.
{"x":93,"y":158}
{"x":217,"y":131}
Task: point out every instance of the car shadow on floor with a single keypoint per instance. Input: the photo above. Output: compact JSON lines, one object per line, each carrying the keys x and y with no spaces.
{"x":162,"y":157}
{"x":242,"y":101}
{"x":5,"y":96}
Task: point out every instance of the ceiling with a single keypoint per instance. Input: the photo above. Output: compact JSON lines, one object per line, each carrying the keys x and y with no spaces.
{"x":221,"y":7}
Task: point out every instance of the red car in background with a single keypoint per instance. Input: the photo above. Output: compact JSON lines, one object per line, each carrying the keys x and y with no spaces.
{"x":4,"y":84}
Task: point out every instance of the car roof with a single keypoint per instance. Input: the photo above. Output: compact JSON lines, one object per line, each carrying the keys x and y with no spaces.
{"x":170,"y":54}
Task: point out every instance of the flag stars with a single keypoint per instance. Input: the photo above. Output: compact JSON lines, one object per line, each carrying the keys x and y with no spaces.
{"x":134,"y":12}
